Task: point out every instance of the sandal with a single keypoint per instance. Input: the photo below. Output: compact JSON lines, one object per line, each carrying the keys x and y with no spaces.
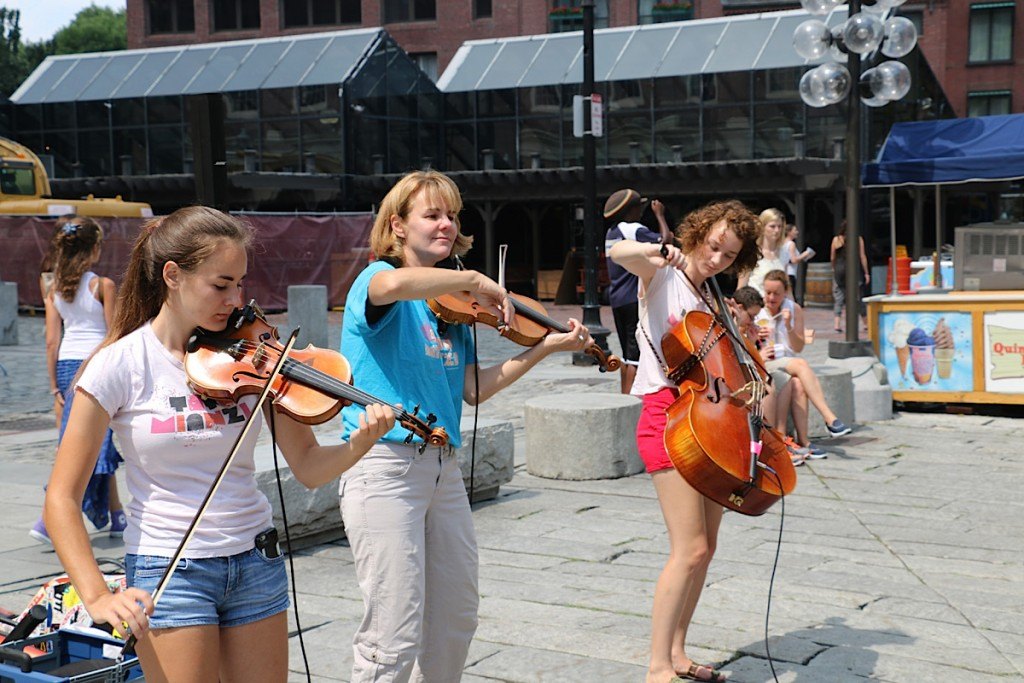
{"x":693,"y":673}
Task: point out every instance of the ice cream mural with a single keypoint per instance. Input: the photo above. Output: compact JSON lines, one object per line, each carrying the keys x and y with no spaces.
{"x":927,"y":351}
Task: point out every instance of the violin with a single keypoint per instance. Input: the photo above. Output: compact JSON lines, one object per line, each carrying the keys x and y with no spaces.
{"x":530,"y":324}
{"x":715,"y":433}
{"x":313,"y":386}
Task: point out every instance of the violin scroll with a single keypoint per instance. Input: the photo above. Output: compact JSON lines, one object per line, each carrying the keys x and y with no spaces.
{"x":437,"y":436}
{"x":605,"y":362}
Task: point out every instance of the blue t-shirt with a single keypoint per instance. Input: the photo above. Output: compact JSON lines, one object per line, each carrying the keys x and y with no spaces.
{"x":402,"y":358}
{"x":623,"y":286}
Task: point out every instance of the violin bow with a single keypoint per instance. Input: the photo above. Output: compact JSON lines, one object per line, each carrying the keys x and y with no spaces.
{"x":129,"y":646}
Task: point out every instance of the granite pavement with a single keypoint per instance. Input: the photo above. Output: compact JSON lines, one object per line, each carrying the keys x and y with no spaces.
{"x":901,"y":557}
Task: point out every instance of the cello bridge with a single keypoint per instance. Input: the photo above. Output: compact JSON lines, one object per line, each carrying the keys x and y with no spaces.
{"x":750,"y":393}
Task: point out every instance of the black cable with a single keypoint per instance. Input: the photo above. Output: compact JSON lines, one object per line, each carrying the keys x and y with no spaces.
{"x":288,"y":544}
{"x":476,"y":416}
{"x":775,"y":564}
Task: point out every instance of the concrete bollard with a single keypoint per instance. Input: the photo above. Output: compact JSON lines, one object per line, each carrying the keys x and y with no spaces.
{"x":8,"y":313}
{"x":582,"y":436}
{"x":495,"y":456}
{"x":307,"y":308}
{"x":837,"y":385}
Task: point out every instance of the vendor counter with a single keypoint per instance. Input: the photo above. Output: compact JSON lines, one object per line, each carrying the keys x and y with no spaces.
{"x":951,"y":347}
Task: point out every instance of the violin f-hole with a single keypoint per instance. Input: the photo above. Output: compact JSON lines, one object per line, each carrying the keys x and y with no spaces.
{"x":718,"y":389}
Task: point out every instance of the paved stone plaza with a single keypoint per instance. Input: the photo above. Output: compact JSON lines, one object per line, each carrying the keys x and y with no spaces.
{"x":901,"y":555}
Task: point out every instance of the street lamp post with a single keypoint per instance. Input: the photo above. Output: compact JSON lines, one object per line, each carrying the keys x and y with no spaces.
{"x":852,"y":345}
{"x":863,"y":33}
{"x":591,"y":306}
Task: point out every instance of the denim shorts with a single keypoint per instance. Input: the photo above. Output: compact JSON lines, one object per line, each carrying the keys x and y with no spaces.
{"x":225,"y":591}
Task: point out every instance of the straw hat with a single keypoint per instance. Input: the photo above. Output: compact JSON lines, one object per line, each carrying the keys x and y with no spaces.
{"x":621,"y":201}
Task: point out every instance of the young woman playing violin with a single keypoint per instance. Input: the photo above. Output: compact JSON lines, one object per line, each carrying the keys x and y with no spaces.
{"x":717,"y":238}
{"x":405,"y":507}
{"x":222,"y":615}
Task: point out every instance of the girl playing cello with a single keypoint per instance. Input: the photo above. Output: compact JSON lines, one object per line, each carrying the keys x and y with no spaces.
{"x":720,"y":237}
{"x":405,"y":507}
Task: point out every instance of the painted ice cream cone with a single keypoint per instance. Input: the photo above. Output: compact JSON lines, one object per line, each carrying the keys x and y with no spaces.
{"x":945,"y":349}
{"x":903,"y":356}
{"x":901,"y":330}
{"x":944,"y":362}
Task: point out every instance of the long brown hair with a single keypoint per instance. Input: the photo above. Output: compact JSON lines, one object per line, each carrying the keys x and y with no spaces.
{"x":398,"y":202}
{"x":188,"y":237}
{"x":75,"y":239}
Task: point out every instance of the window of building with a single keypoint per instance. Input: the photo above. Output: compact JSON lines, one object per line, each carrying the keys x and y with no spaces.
{"x":567,"y":15}
{"x":427,"y":62}
{"x":171,"y":16}
{"x":321,"y":12}
{"x":660,"y":11}
{"x":916,"y":17}
{"x":991,"y":37}
{"x":988,"y":103}
{"x":233,"y":15}
{"x":482,"y":9}
{"x":409,"y":10}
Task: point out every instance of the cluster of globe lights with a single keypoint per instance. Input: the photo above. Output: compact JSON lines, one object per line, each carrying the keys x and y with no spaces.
{"x":863,"y":33}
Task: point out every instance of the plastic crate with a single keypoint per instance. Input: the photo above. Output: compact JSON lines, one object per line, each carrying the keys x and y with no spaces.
{"x":61,"y":648}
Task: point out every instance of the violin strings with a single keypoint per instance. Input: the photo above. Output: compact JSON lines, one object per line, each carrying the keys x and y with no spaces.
{"x":537,"y":317}
{"x":301,"y":371}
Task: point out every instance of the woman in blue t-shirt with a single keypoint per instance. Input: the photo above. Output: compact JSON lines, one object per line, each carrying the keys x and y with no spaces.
{"x":406,"y":512}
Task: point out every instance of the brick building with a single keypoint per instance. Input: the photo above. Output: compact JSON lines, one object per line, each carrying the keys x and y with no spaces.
{"x":429,"y":30}
{"x":969,"y":45}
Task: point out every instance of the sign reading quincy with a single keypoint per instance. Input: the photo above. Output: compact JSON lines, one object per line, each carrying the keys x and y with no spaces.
{"x":1004,"y":352}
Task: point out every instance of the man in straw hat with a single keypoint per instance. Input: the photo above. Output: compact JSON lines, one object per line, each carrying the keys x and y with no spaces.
{"x":622,"y":212}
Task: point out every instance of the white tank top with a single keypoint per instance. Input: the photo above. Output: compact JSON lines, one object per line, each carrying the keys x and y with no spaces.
{"x":84,"y":324}
{"x":667,"y":299}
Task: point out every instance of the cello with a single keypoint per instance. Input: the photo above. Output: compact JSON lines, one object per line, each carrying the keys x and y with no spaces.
{"x":715,"y":433}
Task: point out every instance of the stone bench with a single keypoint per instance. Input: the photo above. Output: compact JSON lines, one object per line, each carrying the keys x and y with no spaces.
{"x":582,"y":436}
{"x":314,"y":517}
{"x":837,"y":385}
{"x":872,"y":393}
{"x":8,"y":313}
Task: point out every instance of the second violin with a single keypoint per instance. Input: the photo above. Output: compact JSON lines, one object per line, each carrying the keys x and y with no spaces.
{"x":530,"y":324}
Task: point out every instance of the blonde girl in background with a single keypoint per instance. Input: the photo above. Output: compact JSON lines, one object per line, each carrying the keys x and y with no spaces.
{"x":773,"y":223}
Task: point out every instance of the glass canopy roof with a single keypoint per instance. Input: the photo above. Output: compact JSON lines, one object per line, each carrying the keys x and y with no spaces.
{"x":313,"y":59}
{"x":746,"y":42}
